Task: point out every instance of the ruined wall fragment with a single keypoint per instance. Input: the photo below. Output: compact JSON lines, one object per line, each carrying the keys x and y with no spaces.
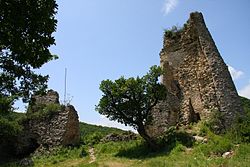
{"x":197,"y":75}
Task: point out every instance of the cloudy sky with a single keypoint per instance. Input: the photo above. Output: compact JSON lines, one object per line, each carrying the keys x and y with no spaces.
{"x":99,"y":40}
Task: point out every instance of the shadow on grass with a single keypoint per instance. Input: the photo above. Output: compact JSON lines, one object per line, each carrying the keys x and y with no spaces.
{"x":166,"y":143}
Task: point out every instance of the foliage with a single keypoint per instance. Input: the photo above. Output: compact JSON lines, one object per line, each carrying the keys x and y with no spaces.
{"x":172,"y":32}
{"x":216,"y":145}
{"x":8,"y":129}
{"x":240,"y":131}
{"x":44,"y":111}
{"x":9,"y":126}
{"x":215,"y":123}
{"x":6,"y":104}
{"x":173,"y":137}
{"x":26,"y":29}
{"x":94,"y":138}
{"x":61,"y":155}
{"x":87,"y":131}
{"x":129,"y":101}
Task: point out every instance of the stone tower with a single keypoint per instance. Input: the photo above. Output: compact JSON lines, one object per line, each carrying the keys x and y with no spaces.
{"x":198,"y":81}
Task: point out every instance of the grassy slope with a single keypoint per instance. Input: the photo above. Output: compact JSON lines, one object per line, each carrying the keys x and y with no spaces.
{"x":136,"y":154}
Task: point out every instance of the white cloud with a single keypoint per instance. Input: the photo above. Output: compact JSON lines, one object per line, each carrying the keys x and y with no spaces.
{"x":169,"y":5}
{"x":236,"y":74}
{"x":245,"y":91}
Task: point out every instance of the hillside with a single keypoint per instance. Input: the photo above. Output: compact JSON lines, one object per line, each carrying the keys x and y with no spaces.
{"x":87,"y":129}
{"x":178,"y":150}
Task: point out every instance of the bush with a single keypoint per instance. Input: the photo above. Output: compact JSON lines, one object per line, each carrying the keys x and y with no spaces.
{"x":217,"y":145}
{"x":44,"y":111}
{"x":240,"y":132}
{"x":8,"y":129}
{"x":94,"y":138}
{"x":174,"y":137}
{"x":215,"y":123}
{"x":6,"y":104}
{"x":173,"y":32}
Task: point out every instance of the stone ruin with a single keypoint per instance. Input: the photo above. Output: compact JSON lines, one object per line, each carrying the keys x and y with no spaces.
{"x":60,"y":129}
{"x":197,"y":79}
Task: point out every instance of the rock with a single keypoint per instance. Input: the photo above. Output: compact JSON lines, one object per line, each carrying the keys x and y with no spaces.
{"x":227,"y":154}
{"x":199,"y":138}
{"x":119,"y":137}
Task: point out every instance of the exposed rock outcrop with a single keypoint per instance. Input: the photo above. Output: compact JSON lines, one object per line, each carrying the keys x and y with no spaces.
{"x":198,"y":81}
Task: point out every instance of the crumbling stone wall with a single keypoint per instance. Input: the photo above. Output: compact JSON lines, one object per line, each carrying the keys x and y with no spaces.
{"x":61,"y":128}
{"x":197,"y":75}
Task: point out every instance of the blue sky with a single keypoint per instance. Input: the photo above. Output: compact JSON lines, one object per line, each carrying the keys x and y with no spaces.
{"x":97,"y":40}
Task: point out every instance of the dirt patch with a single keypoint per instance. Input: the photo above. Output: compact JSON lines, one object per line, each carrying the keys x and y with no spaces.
{"x":114,"y":164}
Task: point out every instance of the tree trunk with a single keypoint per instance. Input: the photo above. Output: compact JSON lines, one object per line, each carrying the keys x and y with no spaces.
{"x":151,"y":142}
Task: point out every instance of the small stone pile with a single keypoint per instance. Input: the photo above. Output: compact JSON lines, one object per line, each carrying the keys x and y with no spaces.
{"x":119,"y":137}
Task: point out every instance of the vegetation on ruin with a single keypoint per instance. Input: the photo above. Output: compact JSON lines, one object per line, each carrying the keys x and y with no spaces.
{"x":173,"y":32}
{"x":42,"y":111}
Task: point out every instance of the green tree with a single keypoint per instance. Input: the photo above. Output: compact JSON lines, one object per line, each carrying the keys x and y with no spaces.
{"x":129,"y":101}
{"x":26,"y":28}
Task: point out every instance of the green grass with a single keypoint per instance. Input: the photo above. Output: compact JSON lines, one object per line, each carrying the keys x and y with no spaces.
{"x":136,"y":154}
{"x":177,"y":151}
{"x":108,"y":156}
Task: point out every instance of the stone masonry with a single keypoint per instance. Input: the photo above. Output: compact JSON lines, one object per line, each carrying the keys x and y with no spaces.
{"x":62,"y":128}
{"x":197,"y":79}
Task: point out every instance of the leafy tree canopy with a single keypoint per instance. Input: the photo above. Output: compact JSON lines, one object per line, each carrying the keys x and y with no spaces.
{"x":26,"y":28}
{"x":129,"y":101}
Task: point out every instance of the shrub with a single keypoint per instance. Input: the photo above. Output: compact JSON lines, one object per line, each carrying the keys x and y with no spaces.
{"x":173,"y":32}
{"x":217,"y":145}
{"x":94,"y":138}
{"x":8,"y":128}
{"x":44,"y":111}
{"x":6,"y":104}
{"x":240,"y":131}
{"x":172,"y":137}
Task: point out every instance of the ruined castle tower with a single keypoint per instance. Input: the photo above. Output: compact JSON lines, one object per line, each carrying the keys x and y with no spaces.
{"x":196,"y":77}
{"x":43,"y":132}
